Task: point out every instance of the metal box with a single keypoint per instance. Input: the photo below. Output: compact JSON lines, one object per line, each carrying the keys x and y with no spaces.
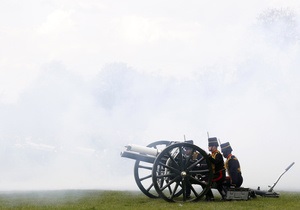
{"x":238,"y":194}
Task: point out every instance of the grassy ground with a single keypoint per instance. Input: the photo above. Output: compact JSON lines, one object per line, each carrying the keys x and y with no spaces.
{"x":96,"y":200}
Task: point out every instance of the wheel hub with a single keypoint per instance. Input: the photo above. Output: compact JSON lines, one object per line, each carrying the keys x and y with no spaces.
{"x":183,"y":174}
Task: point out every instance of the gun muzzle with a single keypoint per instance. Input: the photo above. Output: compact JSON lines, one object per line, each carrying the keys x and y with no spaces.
{"x":142,"y":149}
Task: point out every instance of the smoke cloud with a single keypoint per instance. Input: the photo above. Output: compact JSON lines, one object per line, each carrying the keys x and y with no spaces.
{"x":65,"y":129}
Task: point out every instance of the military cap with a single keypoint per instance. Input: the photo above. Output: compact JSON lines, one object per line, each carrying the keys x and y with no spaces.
{"x":213,"y":141}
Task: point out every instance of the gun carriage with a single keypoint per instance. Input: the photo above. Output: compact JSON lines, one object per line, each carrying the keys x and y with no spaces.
{"x":180,"y":171}
{"x":174,"y":171}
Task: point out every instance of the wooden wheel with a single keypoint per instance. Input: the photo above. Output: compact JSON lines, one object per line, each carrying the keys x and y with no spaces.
{"x":182,"y":172}
{"x":143,"y":171}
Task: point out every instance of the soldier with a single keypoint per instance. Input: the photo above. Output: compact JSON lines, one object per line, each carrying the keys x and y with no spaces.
{"x":232,"y":166}
{"x":187,"y":151}
{"x":219,"y":174}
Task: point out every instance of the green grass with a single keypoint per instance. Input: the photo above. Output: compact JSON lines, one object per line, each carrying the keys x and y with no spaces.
{"x":96,"y":200}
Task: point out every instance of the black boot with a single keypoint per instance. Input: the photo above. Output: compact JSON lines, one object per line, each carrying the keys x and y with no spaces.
{"x":209,"y":196}
{"x":222,"y":192}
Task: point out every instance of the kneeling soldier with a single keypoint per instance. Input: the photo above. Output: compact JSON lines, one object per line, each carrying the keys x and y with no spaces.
{"x":232,"y":166}
{"x":218,"y":168}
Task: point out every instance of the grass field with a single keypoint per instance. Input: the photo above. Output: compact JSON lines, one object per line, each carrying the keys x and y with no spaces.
{"x":96,"y":199}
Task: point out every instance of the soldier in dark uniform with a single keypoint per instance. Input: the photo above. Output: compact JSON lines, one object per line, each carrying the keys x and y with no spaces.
{"x":194,"y":157}
{"x":232,"y":166}
{"x":219,"y":174}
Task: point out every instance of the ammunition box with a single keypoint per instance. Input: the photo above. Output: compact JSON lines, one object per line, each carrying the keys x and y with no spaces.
{"x":238,"y":194}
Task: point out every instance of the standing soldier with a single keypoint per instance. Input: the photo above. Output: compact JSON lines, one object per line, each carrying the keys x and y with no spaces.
{"x":232,"y":166}
{"x":219,"y":174}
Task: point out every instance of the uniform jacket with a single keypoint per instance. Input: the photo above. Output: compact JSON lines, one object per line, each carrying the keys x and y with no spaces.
{"x":233,"y":168}
{"x":217,"y":165}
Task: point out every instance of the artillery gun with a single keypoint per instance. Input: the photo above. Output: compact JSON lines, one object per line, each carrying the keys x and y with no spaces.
{"x":174,"y":171}
{"x":180,"y":171}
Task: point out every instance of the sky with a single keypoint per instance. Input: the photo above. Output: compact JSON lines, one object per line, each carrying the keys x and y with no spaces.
{"x":80,"y":79}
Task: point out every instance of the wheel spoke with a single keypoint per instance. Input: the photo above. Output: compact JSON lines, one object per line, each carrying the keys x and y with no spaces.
{"x":195,"y":163}
{"x":169,"y":183}
{"x":184,"y":189}
{"x":180,"y":158}
{"x":200,"y":182}
{"x":169,"y":167}
{"x":174,"y":191}
{"x":149,"y":188}
{"x":166,"y":175}
{"x":145,"y":167}
{"x":146,"y":177}
{"x":189,"y":157}
{"x":173,"y":160}
{"x":204,"y":171}
{"x":193,"y":190}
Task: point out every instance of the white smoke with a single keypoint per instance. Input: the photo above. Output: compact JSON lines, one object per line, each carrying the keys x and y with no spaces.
{"x":65,"y":131}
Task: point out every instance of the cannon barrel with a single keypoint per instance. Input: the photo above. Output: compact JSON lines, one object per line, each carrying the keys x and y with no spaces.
{"x":140,"y":157}
{"x":142,"y":149}
{"x":140,"y":153}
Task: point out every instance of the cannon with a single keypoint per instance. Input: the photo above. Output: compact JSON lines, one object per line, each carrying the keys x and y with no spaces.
{"x":180,"y":172}
{"x":174,"y":171}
